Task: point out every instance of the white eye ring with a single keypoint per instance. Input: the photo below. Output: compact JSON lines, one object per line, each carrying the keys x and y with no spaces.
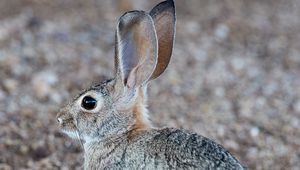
{"x":94,"y":95}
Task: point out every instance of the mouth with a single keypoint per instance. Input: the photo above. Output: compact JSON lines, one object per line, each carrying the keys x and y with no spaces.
{"x":71,"y":133}
{"x":71,"y":130}
{"x":68,"y":127}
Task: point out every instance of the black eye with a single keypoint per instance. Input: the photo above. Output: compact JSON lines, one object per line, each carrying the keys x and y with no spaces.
{"x":88,"y":103}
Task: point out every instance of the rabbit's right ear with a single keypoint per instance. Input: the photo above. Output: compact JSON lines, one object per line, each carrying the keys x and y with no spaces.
{"x":136,"y":49}
{"x":164,"y":18}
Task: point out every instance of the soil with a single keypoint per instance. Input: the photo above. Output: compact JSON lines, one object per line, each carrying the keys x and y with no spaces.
{"x":233,"y":77}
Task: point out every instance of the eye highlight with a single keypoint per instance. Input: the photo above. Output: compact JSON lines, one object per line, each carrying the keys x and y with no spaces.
{"x":88,"y":103}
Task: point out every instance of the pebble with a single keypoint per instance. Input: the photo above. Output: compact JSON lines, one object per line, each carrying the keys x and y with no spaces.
{"x":238,"y":63}
{"x":254,"y":131}
{"x":24,"y":149}
{"x":220,"y":92}
{"x":2,"y":95}
{"x":221,"y":32}
{"x":252,"y":152}
{"x":232,"y":145}
{"x":42,"y":90}
{"x":260,"y":102}
{"x":221,"y":131}
{"x":296,"y":106}
{"x":10,"y":85}
{"x":42,"y":83}
{"x":242,"y":70}
{"x":56,"y":97}
{"x":192,"y":27}
{"x":5,"y":167}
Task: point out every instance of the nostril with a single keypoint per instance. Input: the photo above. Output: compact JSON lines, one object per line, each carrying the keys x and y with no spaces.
{"x":59,"y":120}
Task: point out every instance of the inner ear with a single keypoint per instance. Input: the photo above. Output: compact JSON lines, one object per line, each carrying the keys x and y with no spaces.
{"x":164,"y":18}
{"x":136,"y":48}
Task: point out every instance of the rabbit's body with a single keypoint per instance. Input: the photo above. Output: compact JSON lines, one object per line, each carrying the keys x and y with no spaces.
{"x":166,"y":148}
{"x":111,"y":118}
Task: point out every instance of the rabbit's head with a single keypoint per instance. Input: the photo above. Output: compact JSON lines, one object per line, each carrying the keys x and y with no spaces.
{"x":144,"y":43}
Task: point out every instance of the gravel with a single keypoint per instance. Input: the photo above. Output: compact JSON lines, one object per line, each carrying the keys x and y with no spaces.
{"x":233,"y":77}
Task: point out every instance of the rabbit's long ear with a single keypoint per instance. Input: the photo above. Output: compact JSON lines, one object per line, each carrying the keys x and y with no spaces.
{"x":136,"y":48}
{"x":164,"y":18}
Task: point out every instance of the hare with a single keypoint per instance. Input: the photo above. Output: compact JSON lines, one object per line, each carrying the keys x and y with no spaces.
{"x":111,"y":118}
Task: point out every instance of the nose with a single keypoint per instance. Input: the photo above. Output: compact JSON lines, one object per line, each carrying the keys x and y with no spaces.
{"x":63,"y":116}
{"x":59,"y":120}
{"x":59,"y":117}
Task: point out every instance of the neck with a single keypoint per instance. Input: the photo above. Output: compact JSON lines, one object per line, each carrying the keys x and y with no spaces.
{"x":100,"y":152}
{"x":139,"y":110}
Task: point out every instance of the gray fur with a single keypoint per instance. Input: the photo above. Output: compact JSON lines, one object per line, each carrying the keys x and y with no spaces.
{"x":116,"y":132}
{"x":166,"y":148}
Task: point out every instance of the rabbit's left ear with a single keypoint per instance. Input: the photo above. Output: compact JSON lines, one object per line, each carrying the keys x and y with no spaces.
{"x":136,"y":49}
{"x":164,"y":18}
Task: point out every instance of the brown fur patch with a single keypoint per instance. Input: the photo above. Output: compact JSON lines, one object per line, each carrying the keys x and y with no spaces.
{"x":138,"y":113}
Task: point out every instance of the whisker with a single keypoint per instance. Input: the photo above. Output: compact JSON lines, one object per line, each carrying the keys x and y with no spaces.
{"x":77,"y":133}
{"x":78,"y":136}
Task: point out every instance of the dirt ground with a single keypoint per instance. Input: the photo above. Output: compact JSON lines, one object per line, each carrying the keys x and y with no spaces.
{"x":234,"y":76}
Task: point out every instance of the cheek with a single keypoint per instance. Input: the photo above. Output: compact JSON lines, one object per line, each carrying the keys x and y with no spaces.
{"x":87,"y":123}
{"x":71,"y":134}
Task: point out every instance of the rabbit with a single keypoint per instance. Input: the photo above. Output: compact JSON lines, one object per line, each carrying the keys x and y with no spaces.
{"x":111,"y":118}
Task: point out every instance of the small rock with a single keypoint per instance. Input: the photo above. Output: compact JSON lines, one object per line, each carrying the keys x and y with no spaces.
{"x":238,"y":63}
{"x":221,"y":131}
{"x":56,"y":97}
{"x":252,"y":152}
{"x":34,"y":22}
{"x":43,"y":82}
{"x":2,"y":95}
{"x":24,"y":149}
{"x":270,"y":88}
{"x":219,"y":91}
{"x":221,"y":32}
{"x":42,"y":90}
{"x":10,"y":142}
{"x":254,"y":131}
{"x":192,"y":27}
{"x":10,"y":85}
{"x":260,"y":102}
{"x":296,"y":106}
{"x":40,"y":153}
{"x":5,"y":167}
{"x":231,"y":145}
{"x":295,"y":123}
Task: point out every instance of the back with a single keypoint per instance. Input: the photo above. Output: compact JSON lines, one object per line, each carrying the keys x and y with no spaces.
{"x":166,"y":148}
{"x":180,"y":149}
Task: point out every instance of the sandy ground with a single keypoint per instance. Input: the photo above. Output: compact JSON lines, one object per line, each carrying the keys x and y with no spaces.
{"x":234,"y":76}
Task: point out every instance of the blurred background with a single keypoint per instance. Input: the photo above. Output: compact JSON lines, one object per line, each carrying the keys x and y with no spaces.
{"x":234,"y":76}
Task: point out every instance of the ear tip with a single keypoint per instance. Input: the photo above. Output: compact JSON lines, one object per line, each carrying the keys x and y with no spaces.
{"x":171,"y":2}
{"x":163,"y":6}
{"x":131,"y":17}
{"x":132,"y":14}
